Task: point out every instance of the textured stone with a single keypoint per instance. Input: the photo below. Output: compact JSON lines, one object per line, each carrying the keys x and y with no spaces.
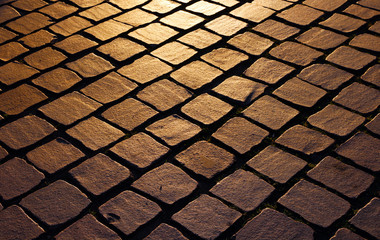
{"x":366,"y":41}
{"x":108,"y":29}
{"x":15,"y":71}
{"x":17,"y":177}
{"x":86,"y":3}
{"x":250,"y":43}
{"x":240,"y":134}
{"x":11,"y":50}
{"x":128,"y":211}
{"x":100,"y":12}
{"x":154,"y":33}
{"x":99,"y":174}
{"x":224,"y":58}
{"x":225,"y":25}
{"x":325,"y":5}
{"x":135,"y":17}
{"x":304,"y":140}
{"x":121,"y":49}
{"x":228,"y":3}
{"x":343,"y":23}
{"x":273,"y":4}
{"x":252,"y":12}
{"x":49,"y":206}
{"x":58,"y":10}
{"x":3,"y":153}
{"x":374,"y":125}
{"x":295,"y":53}
{"x":371,"y":75}
{"x":54,"y":155}
{"x":200,"y":38}
{"x":182,"y":19}
{"x":205,"y":159}
{"x":277,"y":30}
{"x":90,"y":65}
{"x":45,"y":58}
{"x":29,"y":23}
{"x":375,"y":27}
{"x":128,"y":4}
{"x":164,"y":231}
{"x":345,"y":234}
{"x":28,"y":5}
{"x":321,"y":38}
{"x":368,"y":217}
{"x":276,"y":164}
{"x":300,"y":14}
{"x":174,"y":52}
{"x":270,"y":224}
{"x":6,"y":35}
{"x":75,"y":43}
{"x":140,"y":150}
{"x":350,"y":58}
{"x":370,"y":4}
{"x":314,"y":203}
{"x":361,"y":12}
{"x":7,"y":13}
{"x":205,"y":8}
{"x":38,"y":39}
{"x":57,"y":80}
{"x":70,"y":25}
{"x":161,"y":6}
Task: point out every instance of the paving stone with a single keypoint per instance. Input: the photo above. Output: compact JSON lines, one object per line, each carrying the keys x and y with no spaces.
{"x":54,"y":155}
{"x":167,"y":183}
{"x":164,"y":231}
{"x":16,"y":100}
{"x":57,"y":80}
{"x":200,"y":38}
{"x":295,"y":53}
{"x":205,"y":8}
{"x":196,"y":74}
{"x":350,"y":58}
{"x":17,"y":177}
{"x":99,"y":174}
{"x":368,"y":217}
{"x":273,"y":4}
{"x":270,"y":224}
{"x":277,"y":164}
{"x":174,"y":129}
{"x":325,"y":5}
{"x":15,"y":224}
{"x":361,"y":12}
{"x":45,"y":58}
{"x":371,"y":75}
{"x":267,"y":70}
{"x":145,"y":69}
{"x":240,"y":134}
{"x":8,"y":13}
{"x":225,"y":25}
{"x":15,"y":71}
{"x":58,"y":10}
{"x":345,"y":234}
{"x":314,"y":203}
{"x":86,"y":3}
{"x":87,"y":228}
{"x":304,"y":140}
{"x":90,"y":65}
{"x":140,"y":150}
{"x":29,"y":23}
{"x":243,"y":189}
{"x":100,"y":12}
{"x":128,"y":4}
{"x":363,"y":150}
{"x":182,"y":19}
{"x":240,"y":89}
{"x":121,"y":49}
{"x":38,"y":39}
{"x":107,"y":30}
{"x":270,"y":112}
{"x":343,"y":23}
{"x":300,"y":14}
{"x":300,"y":92}
{"x":321,"y":38}
{"x":154,"y":33}
{"x":128,"y":211}
{"x":207,"y":217}
{"x":224,"y":58}
{"x":341,"y":177}
{"x":370,"y":4}
{"x":94,"y":133}
{"x":251,"y":43}
{"x":75,"y":43}
{"x":109,"y":88}
{"x":6,"y":35}
{"x":161,"y":6}
{"x":129,"y":114}
{"x":359,"y":97}
{"x":3,"y":153}
{"x":49,"y":206}
{"x":375,"y":27}
{"x":174,"y":52}
{"x":11,"y":50}
{"x":70,"y":108}
{"x":136,"y":17}
{"x":277,"y":30}
{"x":252,"y":12}
{"x":374,"y":125}
{"x":228,"y":3}
{"x":28,"y":5}
{"x":70,"y":25}
{"x":325,"y":76}
{"x":366,"y":41}
{"x":25,"y":131}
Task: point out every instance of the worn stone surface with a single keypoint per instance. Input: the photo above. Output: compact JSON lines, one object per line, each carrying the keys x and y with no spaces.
{"x":38,"y":39}
{"x":295,"y":53}
{"x":154,"y":33}
{"x":28,"y":5}
{"x":200,"y":38}
{"x":135,"y":17}
{"x":350,"y":58}
{"x":325,"y":5}
{"x":3,"y":153}
{"x":374,"y":125}
{"x":370,"y":4}
{"x":11,"y":50}
{"x":128,"y":4}
{"x":371,"y":75}
{"x":121,"y":49}
{"x":29,"y":23}
{"x":90,"y":65}
{"x":57,"y":80}
{"x":165,"y":231}
{"x":345,"y":234}
{"x":275,"y":29}
{"x":361,"y":12}
{"x":343,"y":23}
{"x":321,"y":38}
{"x":273,"y":4}
{"x":225,"y":25}
{"x":224,"y":58}
{"x":45,"y":58}
{"x":58,"y":10}
{"x":75,"y":43}
{"x":8,"y":13}
{"x":368,"y":217}
{"x":366,"y":41}
{"x":205,"y":8}
{"x":100,"y":12}
{"x":6,"y":35}
{"x":300,"y":14}
{"x":182,"y":19}
{"x":174,"y":53}
{"x":108,"y":29}
{"x":161,"y":6}
{"x":86,"y":3}
{"x":70,"y":26}
{"x":252,"y":12}
{"x":251,"y":43}
{"x":15,"y":71}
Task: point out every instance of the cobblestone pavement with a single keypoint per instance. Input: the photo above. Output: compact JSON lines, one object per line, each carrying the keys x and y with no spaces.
{"x":189,"y":119}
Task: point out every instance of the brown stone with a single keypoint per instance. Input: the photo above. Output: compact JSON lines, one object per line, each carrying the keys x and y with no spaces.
{"x":350,"y":58}
{"x":16,"y":100}
{"x":361,"y":12}
{"x":182,"y":19}
{"x":121,"y":49}
{"x":304,"y":140}
{"x":375,"y":27}
{"x":363,"y":150}
{"x":321,"y":38}
{"x":174,"y":129}
{"x":371,"y":75}
{"x":109,"y":88}
{"x":200,"y":38}
{"x":251,"y":43}
{"x":374,"y":125}
{"x":7,"y":13}
{"x":11,"y":50}
{"x":94,"y":133}
{"x":25,"y":131}
{"x":54,"y":155}
{"x":154,"y":33}
{"x":87,"y":228}
{"x":205,"y":159}
{"x":28,"y":5}
{"x":38,"y":39}
{"x":70,"y":108}
{"x":164,"y":94}
{"x":207,"y":217}
{"x":276,"y":164}
{"x":224,"y":58}
{"x":29,"y":23}
{"x":17,"y":177}
{"x":343,"y":23}
{"x":75,"y":43}
{"x":370,"y":3}
{"x":145,"y":69}
{"x":136,"y":17}
{"x":252,"y":12}
{"x":295,"y":53}
{"x":228,"y":3}
{"x":174,"y":52}
{"x":108,"y":29}
{"x":314,"y":203}
{"x":345,"y":234}
{"x":15,"y":71}
{"x":140,"y":150}
{"x":45,"y":58}
{"x":129,"y":114}
{"x":164,"y":231}
{"x":300,"y":14}
{"x":57,"y":80}
{"x":90,"y":65}
{"x":196,"y":74}
{"x":86,"y":3}
{"x":240,"y":134}
{"x":3,"y":153}
{"x":99,"y":174}
{"x":48,"y":205}
{"x":325,"y":5}
{"x":366,"y":41}
{"x":273,"y":4}
{"x":359,"y":97}
{"x":161,"y":6}
{"x":6,"y":35}
{"x":70,"y":25}
{"x":205,"y":8}
{"x":225,"y":25}
{"x":368,"y":217}
{"x":128,"y":4}
{"x":100,"y":12}
{"x":15,"y":224}
{"x":128,"y":211}
{"x":277,"y":30}
{"x":270,"y":224}
{"x":58,"y":10}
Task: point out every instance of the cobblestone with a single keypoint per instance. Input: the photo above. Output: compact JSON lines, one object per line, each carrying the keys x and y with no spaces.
{"x":367,"y":217}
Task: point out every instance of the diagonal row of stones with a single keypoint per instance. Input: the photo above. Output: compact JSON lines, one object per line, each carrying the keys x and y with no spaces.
{"x":189,"y":119}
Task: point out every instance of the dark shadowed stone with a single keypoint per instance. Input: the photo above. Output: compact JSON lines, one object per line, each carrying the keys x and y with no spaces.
{"x":166,"y":232}
{"x":345,"y":234}
{"x":367,"y":219}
